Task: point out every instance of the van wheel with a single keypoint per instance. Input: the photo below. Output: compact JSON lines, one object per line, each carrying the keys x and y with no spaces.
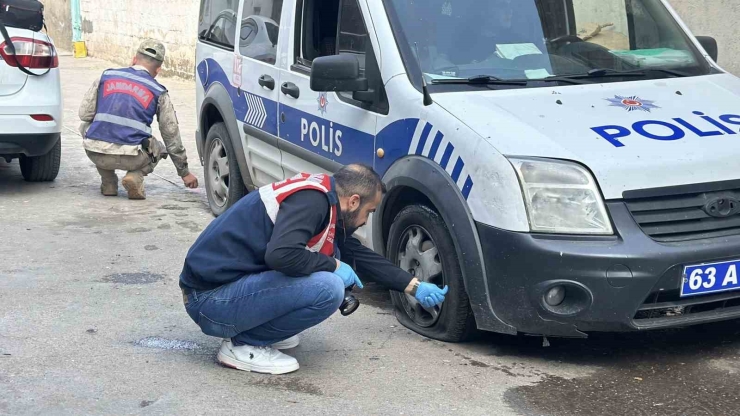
{"x":224,"y":184}
{"x":420,"y":243}
{"x":42,"y":168}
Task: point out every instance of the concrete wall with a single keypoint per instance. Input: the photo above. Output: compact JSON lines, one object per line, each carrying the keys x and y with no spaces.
{"x":112,"y":29}
{"x":59,"y":22}
{"x":717,"y":18}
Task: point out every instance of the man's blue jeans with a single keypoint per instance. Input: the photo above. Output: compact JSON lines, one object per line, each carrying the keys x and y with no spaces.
{"x":266,"y":308}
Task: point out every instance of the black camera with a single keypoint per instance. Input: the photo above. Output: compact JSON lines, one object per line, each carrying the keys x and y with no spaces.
{"x":350,"y":302}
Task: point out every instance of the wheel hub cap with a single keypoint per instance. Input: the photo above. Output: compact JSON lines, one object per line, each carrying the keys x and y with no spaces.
{"x":418,"y":255}
{"x":219,"y":173}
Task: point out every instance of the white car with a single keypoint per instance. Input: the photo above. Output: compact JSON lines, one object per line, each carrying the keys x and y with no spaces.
{"x":31,"y":106}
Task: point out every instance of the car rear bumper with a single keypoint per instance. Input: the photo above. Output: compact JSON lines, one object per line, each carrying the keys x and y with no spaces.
{"x":623,"y":283}
{"x":27,"y":144}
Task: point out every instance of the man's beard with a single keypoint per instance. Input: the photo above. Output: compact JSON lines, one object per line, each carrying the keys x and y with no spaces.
{"x":349,"y":220}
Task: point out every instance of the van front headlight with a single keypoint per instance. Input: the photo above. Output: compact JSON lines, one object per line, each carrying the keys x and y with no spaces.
{"x":561,"y":198}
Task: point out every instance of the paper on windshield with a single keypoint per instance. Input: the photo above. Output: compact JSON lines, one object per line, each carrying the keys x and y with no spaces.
{"x":537,"y":73}
{"x":513,"y":50}
{"x":655,"y":57}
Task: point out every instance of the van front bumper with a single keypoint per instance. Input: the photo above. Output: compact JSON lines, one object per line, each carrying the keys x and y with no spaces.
{"x":623,"y":283}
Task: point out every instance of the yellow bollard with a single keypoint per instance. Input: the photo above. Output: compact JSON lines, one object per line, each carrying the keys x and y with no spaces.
{"x":80,"y":50}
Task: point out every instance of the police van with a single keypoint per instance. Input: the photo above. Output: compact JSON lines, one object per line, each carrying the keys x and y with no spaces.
{"x":565,"y":166}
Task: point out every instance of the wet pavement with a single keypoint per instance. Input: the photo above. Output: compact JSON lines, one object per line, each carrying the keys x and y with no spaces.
{"x":687,"y":372}
{"x":92,"y":322}
{"x":691,"y":371}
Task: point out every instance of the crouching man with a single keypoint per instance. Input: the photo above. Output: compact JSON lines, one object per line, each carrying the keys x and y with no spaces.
{"x":117,"y":114}
{"x":278,"y":262}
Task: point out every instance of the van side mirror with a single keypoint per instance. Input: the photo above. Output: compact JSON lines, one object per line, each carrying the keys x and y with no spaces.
{"x":710,"y":45}
{"x":337,"y":73}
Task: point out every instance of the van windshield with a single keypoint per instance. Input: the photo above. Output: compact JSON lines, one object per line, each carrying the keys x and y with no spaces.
{"x":540,"y":39}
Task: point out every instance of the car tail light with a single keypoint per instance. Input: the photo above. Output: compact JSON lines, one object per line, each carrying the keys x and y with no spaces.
{"x":42,"y":117}
{"x":30,"y":53}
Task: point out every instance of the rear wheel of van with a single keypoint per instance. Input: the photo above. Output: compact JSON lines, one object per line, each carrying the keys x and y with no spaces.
{"x":420,"y":243}
{"x":224,"y":184}
{"x":42,"y":168}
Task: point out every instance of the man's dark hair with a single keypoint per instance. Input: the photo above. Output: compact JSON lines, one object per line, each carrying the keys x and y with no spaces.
{"x":148,"y":61}
{"x":357,"y":179}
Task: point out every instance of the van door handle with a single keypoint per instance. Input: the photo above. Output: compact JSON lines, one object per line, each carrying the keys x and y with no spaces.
{"x":267,"y":81}
{"x":291,"y":89}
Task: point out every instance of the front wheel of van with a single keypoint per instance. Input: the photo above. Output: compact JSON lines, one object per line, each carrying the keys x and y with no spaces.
{"x":224,"y":183}
{"x":420,"y":243}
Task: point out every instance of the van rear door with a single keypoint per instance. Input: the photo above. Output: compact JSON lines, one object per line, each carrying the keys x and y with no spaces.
{"x":257,"y":108}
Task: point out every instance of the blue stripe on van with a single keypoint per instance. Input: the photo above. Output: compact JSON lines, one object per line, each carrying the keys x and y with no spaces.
{"x":458,"y":169}
{"x":467,"y":187}
{"x":446,"y":158}
{"x":435,"y":145}
{"x":423,"y":139}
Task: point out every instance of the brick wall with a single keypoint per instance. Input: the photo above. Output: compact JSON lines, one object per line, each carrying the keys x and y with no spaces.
{"x":112,"y":29}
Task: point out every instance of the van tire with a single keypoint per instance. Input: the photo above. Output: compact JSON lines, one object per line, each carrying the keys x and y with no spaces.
{"x":223,"y":190}
{"x":43,"y":168}
{"x":455,"y":322}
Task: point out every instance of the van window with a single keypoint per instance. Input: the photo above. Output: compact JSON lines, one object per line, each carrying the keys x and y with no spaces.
{"x":318,"y":29}
{"x":353,"y":38}
{"x":341,"y":30}
{"x":217,"y":23}
{"x":260,"y":29}
{"x":536,"y":39}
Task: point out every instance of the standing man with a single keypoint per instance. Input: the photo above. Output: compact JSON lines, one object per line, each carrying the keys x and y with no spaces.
{"x":117,"y":114}
{"x":278,"y":262}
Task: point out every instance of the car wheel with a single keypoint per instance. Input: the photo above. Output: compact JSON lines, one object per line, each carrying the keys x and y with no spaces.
{"x":224,"y":183}
{"x":42,"y":168}
{"x":420,"y":243}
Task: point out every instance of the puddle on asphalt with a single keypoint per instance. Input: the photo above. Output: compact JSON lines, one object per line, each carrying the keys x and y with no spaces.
{"x":133,"y":278}
{"x":166,"y":344}
{"x":671,"y":373}
{"x":296,"y":385}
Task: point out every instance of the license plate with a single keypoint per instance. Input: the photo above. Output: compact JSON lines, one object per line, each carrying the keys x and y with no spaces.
{"x":710,"y":278}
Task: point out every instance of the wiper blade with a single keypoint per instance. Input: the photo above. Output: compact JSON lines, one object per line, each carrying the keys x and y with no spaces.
{"x":561,"y":78}
{"x":604,"y":72}
{"x":481,"y":80}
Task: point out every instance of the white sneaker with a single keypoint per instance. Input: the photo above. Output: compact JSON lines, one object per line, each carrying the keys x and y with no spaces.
{"x":287,"y":344}
{"x":265,"y":360}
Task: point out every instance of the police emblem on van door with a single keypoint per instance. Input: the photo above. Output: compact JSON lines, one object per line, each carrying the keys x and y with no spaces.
{"x":323,"y":102}
{"x":633,"y":103}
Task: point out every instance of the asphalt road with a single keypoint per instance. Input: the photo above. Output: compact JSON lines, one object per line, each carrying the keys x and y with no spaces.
{"x":92,"y":322}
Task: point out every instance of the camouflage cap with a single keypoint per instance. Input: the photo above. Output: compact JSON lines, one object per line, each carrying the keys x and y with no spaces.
{"x":153,"y":49}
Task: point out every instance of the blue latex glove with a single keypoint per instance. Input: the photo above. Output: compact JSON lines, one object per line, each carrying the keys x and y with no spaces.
{"x":348,"y":275}
{"x":430,"y":295}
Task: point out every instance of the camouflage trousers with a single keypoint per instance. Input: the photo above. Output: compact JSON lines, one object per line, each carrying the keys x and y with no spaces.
{"x":140,"y":165}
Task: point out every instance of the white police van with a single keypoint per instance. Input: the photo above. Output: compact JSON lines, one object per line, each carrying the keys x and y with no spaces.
{"x":565,"y":166}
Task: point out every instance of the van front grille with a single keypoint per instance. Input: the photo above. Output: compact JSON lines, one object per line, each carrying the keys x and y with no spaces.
{"x":688,"y":212}
{"x":669,"y":305}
